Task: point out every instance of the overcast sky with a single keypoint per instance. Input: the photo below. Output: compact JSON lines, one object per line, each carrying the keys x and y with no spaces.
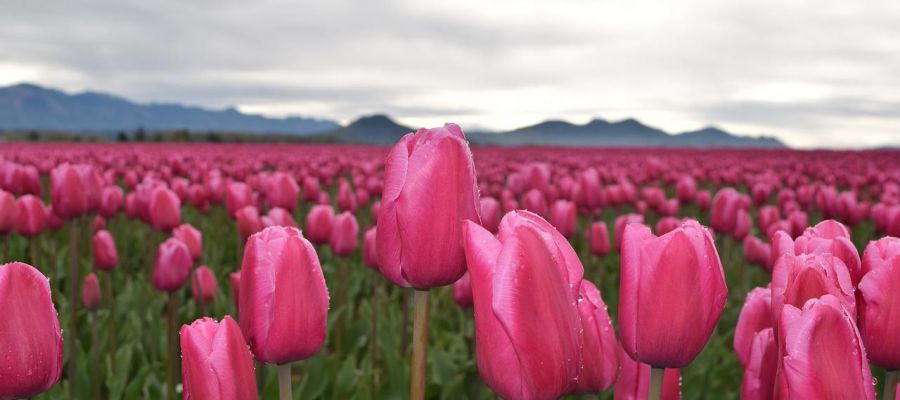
{"x":812,"y":73}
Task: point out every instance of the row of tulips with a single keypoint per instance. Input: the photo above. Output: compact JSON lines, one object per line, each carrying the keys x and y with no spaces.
{"x":542,"y":329}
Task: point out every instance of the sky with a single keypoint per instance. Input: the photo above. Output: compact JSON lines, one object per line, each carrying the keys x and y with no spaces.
{"x":811,"y":73}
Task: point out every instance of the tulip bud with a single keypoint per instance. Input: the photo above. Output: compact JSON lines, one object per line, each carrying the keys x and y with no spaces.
{"x":319,"y":222}
{"x":680,"y":269}
{"x":248,"y":221}
{"x":31,"y":217}
{"x":878,"y":312}
{"x":203,"y":284}
{"x":192,"y":238}
{"x":105,"y":255}
{"x":529,"y":256}
{"x":8,"y":212}
{"x":310,"y":189}
{"x":235,"y":278}
{"x":621,"y":222}
{"x":562,"y":216}
{"x":284,"y":300}
{"x":831,"y":237}
{"x":90,"y":292}
{"x":30,"y":338}
{"x":75,"y":189}
{"x":797,"y":279}
{"x":598,"y":236}
{"x":282,"y":217}
{"x":370,"y":249}
{"x":172,"y":266}
{"x":111,"y":200}
{"x":490,"y":214}
{"x":215,"y":362}
{"x":429,"y":188}
{"x":237,"y":196}
{"x":755,"y":316}
{"x":535,"y":202}
{"x":462,"y":291}
{"x":282,"y":191}
{"x":165,"y":209}
{"x":599,"y":346}
{"x":344,"y":235}
{"x":880,"y":253}
{"x":821,"y":354}
{"x":760,"y":367}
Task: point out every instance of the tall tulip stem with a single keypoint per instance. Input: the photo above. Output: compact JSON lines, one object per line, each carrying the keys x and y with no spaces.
{"x":111,"y":321}
{"x":284,"y":382}
{"x":74,"y":279}
{"x":95,"y":353}
{"x":890,"y":384}
{"x":420,"y":346}
{"x":173,"y":346}
{"x":656,"y":380}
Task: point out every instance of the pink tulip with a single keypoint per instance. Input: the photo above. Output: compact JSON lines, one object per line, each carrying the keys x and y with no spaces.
{"x":370,"y":249}
{"x":462,"y":291}
{"x":282,"y":191}
{"x":165,"y":209}
{"x":237,"y":196}
{"x":621,"y":222}
{"x":30,"y":338}
{"x":235,"y":278}
{"x":725,"y":210}
{"x":106,"y":257}
{"x":599,"y":346}
{"x":704,"y":199}
{"x":215,"y":362}
{"x":173,"y":265}
{"x":31,"y":217}
{"x":53,"y":221}
{"x":75,"y":189}
{"x":490,"y":214}
{"x":755,"y":316}
{"x":282,"y":217}
{"x":758,"y":253}
{"x":429,"y":189}
{"x":528,"y":346}
{"x":599,"y":238}
{"x":821,"y":354}
{"x":319,"y":222}
{"x":831,"y":237}
{"x":192,"y":238}
{"x":563,"y":218}
{"x":375,"y":210}
{"x":283,"y":298}
{"x":90,"y":292}
{"x":666,"y":225}
{"x":742,"y":225}
{"x":796,"y":279}
{"x":248,"y":221}
{"x":344,"y":235}
{"x":346,"y":200}
{"x":111,"y":201}
{"x":310,"y":189}
{"x":203,"y":284}
{"x":535,"y":202}
{"x":686,"y":189}
{"x":879,"y":313}
{"x":879,"y":253}
{"x":761,"y":367}
{"x":8,"y":212}
{"x":682,"y":270}
{"x":634,"y":381}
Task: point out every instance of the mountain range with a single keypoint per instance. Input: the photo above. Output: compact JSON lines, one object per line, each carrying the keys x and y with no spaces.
{"x":28,"y":107}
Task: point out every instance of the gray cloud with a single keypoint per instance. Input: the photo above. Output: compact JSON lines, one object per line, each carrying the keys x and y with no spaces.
{"x":798,"y":70}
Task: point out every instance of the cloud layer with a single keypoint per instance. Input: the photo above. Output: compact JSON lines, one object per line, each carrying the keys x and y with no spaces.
{"x":813,"y":73}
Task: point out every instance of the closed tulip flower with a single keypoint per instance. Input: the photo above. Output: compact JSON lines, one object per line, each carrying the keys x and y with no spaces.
{"x":344,"y":235}
{"x":165,"y":209}
{"x":173,"y":265}
{"x":311,"y":189}
{"x":111,"y":201}
{"x":680,"y":269}
{"x":54,"y":222}
{"x":600,"y":349}
{"x":462,"y":291}
{"x":535,"y":201}
{"x":8,"y":211}
{"x":821,"y":354}
{"x":282,"y":217}
{"x":599,"y":238}
{"x":74,"y":189}
{"x":755,"y":316}
{"x":879,"y":313}
{"x":319,"y":222}
{"x":490,"y":214}
{"x":346,"y":200}
{"x":528,"y":346}
{"x":282,"y":191}
{"x":370,"y":249}
{"x":761,"y":367}
{"x":248,"y":221}
{"x":106,"y":257}
{"x":832,"y":237}
{"x":797,"y":279}
{"x":237,"y":196}
{"x":880,"y":253}
{"x":634,"y":381}
{"x":215,"y":362}
{"x":192,"y":238}
{"x":742,"y":225}
{"x":621,"y":222}
{"x":30,"y":337}
{"x":374,"y":211}
{"x":562,"y":216}
{"x":757,"y":252}
{"x":90,"y":292}
{"x":235,"y":278}
{"x":666,"y":225}
{"x":283,"y":298}
{"x":725,"y":208}
{"x":30,"y":216}
{"x":203,"y":284}
{"x":429,"y":189}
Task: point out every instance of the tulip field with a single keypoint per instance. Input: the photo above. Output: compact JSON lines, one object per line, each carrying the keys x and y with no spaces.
{"x":430,"y":269}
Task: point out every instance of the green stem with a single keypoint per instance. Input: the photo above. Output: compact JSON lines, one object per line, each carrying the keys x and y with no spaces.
{"x":74,"y":279}
{"x":95,"y":352}
{"x":890,"y":384}
{"x":420,"y":346}
{"x":111,"y":320}
{"x":656,"y":380}
{"x":284,"y":382}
